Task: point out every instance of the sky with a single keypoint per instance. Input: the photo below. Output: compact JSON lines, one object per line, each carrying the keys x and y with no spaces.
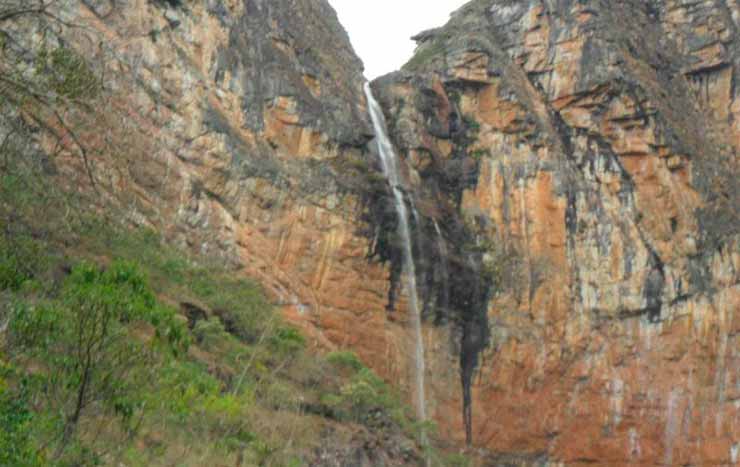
{"x":381,"y":30}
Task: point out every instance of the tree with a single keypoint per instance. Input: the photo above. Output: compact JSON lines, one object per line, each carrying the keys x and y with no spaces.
{"x":87,"y":345}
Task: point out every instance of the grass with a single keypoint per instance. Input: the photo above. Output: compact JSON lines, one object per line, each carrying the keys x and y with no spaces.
{"x":426,"y":54}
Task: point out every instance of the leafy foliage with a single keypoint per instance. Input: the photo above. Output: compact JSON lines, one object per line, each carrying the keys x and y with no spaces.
{"x":13,"y":271}
{"x":85,"y":340}
{"x":16,"y":419}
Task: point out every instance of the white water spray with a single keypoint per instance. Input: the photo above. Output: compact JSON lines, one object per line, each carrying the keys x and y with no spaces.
{"x":389,"y":161}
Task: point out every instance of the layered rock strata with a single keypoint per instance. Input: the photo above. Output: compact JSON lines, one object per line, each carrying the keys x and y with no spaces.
{"x":599,"y":138}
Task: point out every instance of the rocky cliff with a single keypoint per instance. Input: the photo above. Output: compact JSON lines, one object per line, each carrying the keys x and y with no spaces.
{"x":599,"y":139}
{"x":573,"y":164}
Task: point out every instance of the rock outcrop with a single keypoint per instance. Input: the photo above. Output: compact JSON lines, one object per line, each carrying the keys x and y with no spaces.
{"x":573,"y":163}
{"x":599,"y":138}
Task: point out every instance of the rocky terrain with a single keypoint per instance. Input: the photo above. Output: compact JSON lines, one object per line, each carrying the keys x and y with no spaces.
{"x":574,"y":165}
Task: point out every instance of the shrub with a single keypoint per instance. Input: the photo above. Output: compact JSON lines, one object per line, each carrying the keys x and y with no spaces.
{"x":210,"y":333}
{"x":16,"y":420}
{"x":183,"y":388}
{"x":364,"y":395}
{"x":287,"y":341}
{"x":239,"y":303}
{"x":12,"y":275}
{"x":68,"y":73}
{"x":21,"y":259}
{"x":84,"y":342}
{"x":479,"y":154}
{"x":345,"y":360}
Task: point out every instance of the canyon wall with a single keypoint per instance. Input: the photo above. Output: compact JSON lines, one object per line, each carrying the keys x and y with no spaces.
{"x":573,"y":163}
{"x":600,"y":139}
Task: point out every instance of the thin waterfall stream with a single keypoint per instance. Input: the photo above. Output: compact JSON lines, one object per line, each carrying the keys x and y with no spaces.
{"x":389,"y":162}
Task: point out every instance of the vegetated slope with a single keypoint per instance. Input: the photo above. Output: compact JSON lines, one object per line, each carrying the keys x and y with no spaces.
{"x":116,"y":349}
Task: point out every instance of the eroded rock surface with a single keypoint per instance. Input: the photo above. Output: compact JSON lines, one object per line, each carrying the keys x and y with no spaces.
{"x":599,"y":138}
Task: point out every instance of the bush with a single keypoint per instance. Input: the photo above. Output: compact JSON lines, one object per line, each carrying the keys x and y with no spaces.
{"x":84,"y":342}
{"x":364,"y":395}
{"x":239,"y":303}
{"x":20,"y":260}
{"x":287,"y":341}
{"x":68,"y":73}
{"x":12,"y":274}
{"x":187,"y":395}
{"x":183,"y":388}
{"x":210,"y":333}
{"x":479,"y":154}
{"x":345,"y":360}
{"x":16,"y":420}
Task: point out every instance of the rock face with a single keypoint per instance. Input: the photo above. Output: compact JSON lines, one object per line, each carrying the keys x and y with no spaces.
{"x":573,"y":164}
{"x":600,"y":139}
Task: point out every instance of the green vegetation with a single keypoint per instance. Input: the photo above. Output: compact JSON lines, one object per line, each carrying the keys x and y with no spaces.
{"x":16,"y":420}
{"x":99,"y":365}
{"x":502,"y":264}
{"x":427,"y":53}
{"x":345,"y":360}
{"x":472,"y":130}
{"x":67,"y":73}
{"x":479,"y":154}
{"x":364,"y":397}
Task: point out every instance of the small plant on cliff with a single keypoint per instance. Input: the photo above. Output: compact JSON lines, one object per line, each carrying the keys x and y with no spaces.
{"x":479,"y":154}
{"x":472,"y":129}
{"x":501,"y":260}
{"x":67,"y":73}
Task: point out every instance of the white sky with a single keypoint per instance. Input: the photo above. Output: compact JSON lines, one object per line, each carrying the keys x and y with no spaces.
{"x":380,"y":30}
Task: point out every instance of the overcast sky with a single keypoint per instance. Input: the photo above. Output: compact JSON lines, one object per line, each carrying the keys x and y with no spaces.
{"x":380,"y":30}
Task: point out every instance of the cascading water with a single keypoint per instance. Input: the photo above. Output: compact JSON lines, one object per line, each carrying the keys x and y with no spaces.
{"x":389,"y":162}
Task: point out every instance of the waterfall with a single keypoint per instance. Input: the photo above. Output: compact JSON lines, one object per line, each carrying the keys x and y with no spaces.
{"x":389,"y":162}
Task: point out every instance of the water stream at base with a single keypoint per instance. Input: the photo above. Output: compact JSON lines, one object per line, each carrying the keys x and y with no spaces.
{"x":389,"y":161}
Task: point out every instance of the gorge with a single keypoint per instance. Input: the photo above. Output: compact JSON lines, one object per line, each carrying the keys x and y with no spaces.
{"x":531,"y":231}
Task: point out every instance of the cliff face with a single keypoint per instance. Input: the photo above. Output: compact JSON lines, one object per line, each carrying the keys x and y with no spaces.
{"x":231,"y":121}
{"x":600,"y":139}
{"x":573,"y":163}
